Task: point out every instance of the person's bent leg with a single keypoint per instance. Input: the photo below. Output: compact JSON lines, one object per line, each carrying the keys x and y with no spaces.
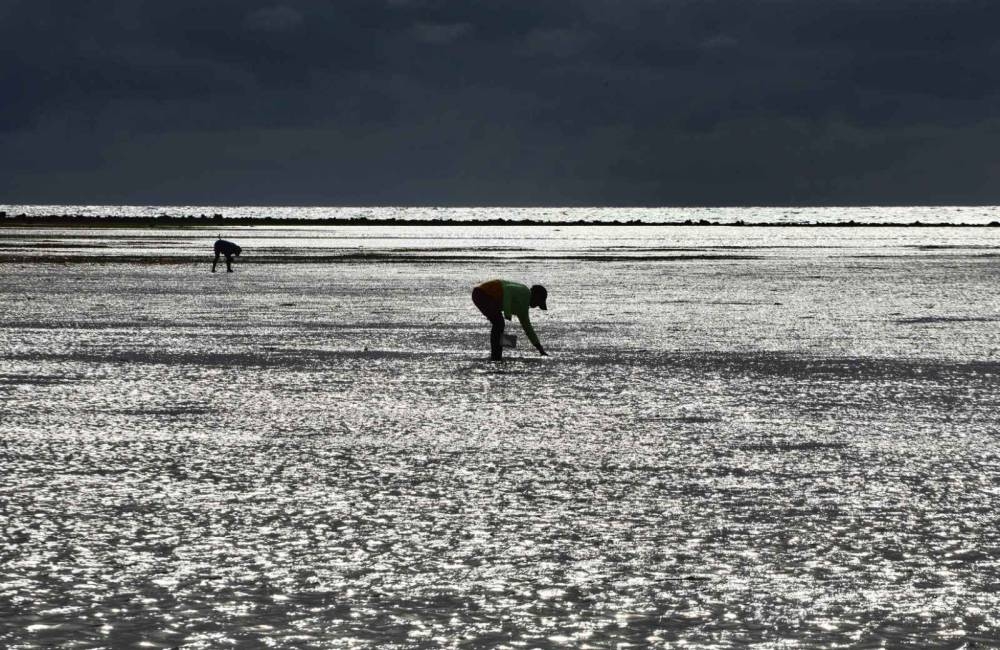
{"x":496,"y":340}
{"x":492,"y":311}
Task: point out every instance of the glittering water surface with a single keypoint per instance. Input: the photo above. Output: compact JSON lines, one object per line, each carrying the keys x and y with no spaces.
{"x":783,"y":438}
{"x":751,"y":215}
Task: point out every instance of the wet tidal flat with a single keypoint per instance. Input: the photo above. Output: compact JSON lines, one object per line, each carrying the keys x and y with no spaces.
{"x":777,"y":440}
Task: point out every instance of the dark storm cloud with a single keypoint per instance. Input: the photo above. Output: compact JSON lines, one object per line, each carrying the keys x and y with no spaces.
{"x":279,"y":18}
{"x":439,"y":101}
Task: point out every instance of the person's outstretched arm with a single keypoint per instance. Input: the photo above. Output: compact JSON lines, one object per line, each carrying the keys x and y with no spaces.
{"x":530,"y":333}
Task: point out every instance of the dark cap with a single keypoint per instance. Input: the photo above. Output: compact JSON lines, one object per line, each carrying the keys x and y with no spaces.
{"x":539,"y":295}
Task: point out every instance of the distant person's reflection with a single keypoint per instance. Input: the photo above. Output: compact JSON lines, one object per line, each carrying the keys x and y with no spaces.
{"x":499,"y":299}
{"x":227,"y":248}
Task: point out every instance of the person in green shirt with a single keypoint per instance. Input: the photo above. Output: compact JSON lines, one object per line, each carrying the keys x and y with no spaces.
{"x":499,"y":299}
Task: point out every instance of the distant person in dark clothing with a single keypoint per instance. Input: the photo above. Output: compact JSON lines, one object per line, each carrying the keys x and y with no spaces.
{"x":499,"y":299}
{"x":227,"y":248}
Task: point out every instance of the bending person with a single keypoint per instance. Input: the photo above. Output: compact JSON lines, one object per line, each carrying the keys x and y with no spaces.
{"x":499,"y":299}
{"x":227,"y":248}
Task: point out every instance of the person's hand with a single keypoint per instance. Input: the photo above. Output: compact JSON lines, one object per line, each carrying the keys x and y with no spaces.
{"x":543,"y":353}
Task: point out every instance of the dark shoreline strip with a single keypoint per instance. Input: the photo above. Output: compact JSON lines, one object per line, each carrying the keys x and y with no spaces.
{"x":358,"y":258}
{"x":167,"y":221}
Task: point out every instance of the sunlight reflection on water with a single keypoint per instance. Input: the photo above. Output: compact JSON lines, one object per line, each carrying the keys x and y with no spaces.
{"x":789,"y":451}
{"x":750,"y":215}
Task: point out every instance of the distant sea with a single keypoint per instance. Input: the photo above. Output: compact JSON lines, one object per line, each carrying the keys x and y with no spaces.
{"x":955,"y":215}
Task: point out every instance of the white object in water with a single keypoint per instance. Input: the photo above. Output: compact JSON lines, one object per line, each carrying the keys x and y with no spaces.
{"x":508,"y":340}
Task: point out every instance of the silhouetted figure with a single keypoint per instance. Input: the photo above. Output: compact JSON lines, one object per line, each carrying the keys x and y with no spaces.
{"x":227,"y":248}
{"x":499,"y":299}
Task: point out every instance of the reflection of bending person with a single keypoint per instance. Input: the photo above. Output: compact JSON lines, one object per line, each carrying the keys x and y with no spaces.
{"x":227,"y":248}
{"x":499,"y":299}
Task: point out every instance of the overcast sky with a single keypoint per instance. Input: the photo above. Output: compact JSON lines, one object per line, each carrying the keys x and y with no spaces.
{"x":500,"y":102}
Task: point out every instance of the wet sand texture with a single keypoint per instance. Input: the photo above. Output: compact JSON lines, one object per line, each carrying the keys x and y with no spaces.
{"x":798,"y":449}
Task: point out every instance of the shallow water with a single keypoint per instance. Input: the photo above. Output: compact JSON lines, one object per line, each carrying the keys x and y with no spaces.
{"x":751,"y":215}
{"x":788,"y":444}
